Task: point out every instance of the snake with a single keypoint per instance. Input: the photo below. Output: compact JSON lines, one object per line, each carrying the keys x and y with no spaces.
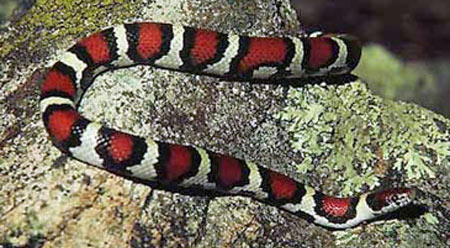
{"x":189,"y":169}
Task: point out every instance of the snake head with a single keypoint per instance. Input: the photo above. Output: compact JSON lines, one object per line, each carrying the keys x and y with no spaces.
{"x":391,"y":199}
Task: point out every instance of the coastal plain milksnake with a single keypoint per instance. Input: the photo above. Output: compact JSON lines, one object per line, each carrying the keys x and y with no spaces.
{"x":172,"y":166}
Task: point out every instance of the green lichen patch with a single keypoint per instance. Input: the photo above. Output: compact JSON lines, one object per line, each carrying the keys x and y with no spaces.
{"x":413,"y":140}
{"x":356,"y":138}
{"x":46,"y":23}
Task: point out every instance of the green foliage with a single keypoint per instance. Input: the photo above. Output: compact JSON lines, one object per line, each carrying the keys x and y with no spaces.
{"x":392,"y":78}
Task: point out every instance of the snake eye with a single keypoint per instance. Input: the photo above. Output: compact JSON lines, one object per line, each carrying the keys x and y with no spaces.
{"x":395,"y":198}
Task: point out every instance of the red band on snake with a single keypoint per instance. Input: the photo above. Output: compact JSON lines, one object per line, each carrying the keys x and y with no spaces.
{"x":202,"y":52}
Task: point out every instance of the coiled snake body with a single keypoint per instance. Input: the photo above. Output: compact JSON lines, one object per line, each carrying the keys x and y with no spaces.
{"x":170,"y":165}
